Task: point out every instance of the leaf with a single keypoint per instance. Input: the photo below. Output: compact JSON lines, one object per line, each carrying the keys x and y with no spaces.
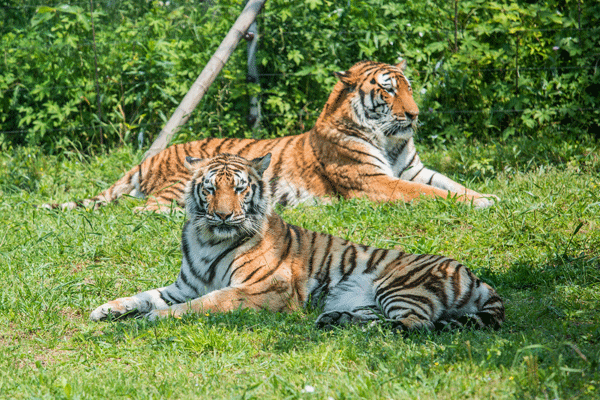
{"x":84,"y":21}
{"x":70,"y":9}
{"x":45,"y":9}
{"x":43,"y":16}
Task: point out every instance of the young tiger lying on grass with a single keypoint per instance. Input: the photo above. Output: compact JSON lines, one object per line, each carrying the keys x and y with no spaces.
{"x":238,"y":253}
{"x":361,"y":145}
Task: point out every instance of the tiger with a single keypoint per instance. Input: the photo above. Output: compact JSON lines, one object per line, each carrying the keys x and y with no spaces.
{"x":361,"y":145}
{"x":238,"y":253}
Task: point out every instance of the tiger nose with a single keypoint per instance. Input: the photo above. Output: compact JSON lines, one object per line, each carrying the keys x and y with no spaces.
{"x":223,"y":216}
{"x":411,"y":115}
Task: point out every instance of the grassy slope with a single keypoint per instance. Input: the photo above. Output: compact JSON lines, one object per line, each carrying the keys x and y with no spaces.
{"x":538,"y":247}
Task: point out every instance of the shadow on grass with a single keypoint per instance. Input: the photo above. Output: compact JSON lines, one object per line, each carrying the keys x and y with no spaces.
{"x":540,"y":348}
{"x":277,"y":333}
{"x":554,"y":292}
{"x":579,"y":270}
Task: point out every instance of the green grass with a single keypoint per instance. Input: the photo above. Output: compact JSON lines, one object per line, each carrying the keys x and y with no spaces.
{"x":538,"y":247}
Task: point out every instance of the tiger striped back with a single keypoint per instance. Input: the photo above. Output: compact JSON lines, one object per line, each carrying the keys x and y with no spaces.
{"x":238,"y":253}
{"x":361,"y":145}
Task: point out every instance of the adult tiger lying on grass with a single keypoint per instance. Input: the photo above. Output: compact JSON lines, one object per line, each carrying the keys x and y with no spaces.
{"x":361,"y":145}
{"x":238,"y":253}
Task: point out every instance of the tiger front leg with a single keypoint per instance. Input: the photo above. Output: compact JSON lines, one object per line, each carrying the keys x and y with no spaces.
{"x":385,"y":188}
{"x":141,"y":303}
{"x":228,"y":299}
{"x":442,"y":182}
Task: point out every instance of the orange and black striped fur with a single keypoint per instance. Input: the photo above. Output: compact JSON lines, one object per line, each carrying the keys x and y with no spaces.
{"x":238,"y":253}
{"x":361,"y":145}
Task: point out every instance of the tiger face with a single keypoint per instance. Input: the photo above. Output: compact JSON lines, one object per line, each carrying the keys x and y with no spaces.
{"x":382,"y":99}
{"x":226,"y":197}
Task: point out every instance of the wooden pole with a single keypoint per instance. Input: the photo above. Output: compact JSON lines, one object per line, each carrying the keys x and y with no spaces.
{"x":252,"y":76}
{"x":207,"y":76}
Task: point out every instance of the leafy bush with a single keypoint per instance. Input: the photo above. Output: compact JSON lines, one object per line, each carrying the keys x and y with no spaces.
{"x":480,"y":69}
{"x":143,"y":71}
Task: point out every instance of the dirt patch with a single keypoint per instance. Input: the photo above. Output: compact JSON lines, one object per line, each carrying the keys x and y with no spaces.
{"x":80,"y":266}
{"x":43,"y":357}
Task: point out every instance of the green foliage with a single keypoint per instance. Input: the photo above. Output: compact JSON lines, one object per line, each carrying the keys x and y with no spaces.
{"x":485,"y":69}
{"x":519,"y":66}
{"x":147,"y":59}
{"x":14,"y":15}
{"x":538,"y":247}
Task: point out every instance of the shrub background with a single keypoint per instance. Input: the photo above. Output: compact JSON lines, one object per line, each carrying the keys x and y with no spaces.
{"x":480,"y":69}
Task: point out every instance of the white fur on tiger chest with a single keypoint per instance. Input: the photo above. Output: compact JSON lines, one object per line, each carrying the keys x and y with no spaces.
{"x":401,"y":160}
{"x":201,"y":256}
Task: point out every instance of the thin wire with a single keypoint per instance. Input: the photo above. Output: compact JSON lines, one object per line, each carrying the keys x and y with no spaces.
{"x":444,"y":31}
{"x":62,"y":3}
{"x":86,"y":43}
{"x":131,"y":84}
{"x":310,"y":114}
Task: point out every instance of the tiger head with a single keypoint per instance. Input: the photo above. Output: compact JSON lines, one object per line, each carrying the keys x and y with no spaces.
{"x":376,"y":97}
{"x":226,"y":197}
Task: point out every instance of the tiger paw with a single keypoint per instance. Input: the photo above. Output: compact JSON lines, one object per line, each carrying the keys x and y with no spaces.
{"x":328,"y":319}
{"x":116,"y":309}
{"x":487,"y":200}
{"x":332,"y":318}
{"x":361,"y":315}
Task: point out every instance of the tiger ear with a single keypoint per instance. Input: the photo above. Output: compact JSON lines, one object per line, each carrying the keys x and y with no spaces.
{"x":261,"y":164}
{"x":401,"y":64}
{"x":190,"y":162}
{"x":344,"y":77}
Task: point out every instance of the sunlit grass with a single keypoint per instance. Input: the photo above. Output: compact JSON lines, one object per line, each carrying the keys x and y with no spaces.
{"x":538,"y":247}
